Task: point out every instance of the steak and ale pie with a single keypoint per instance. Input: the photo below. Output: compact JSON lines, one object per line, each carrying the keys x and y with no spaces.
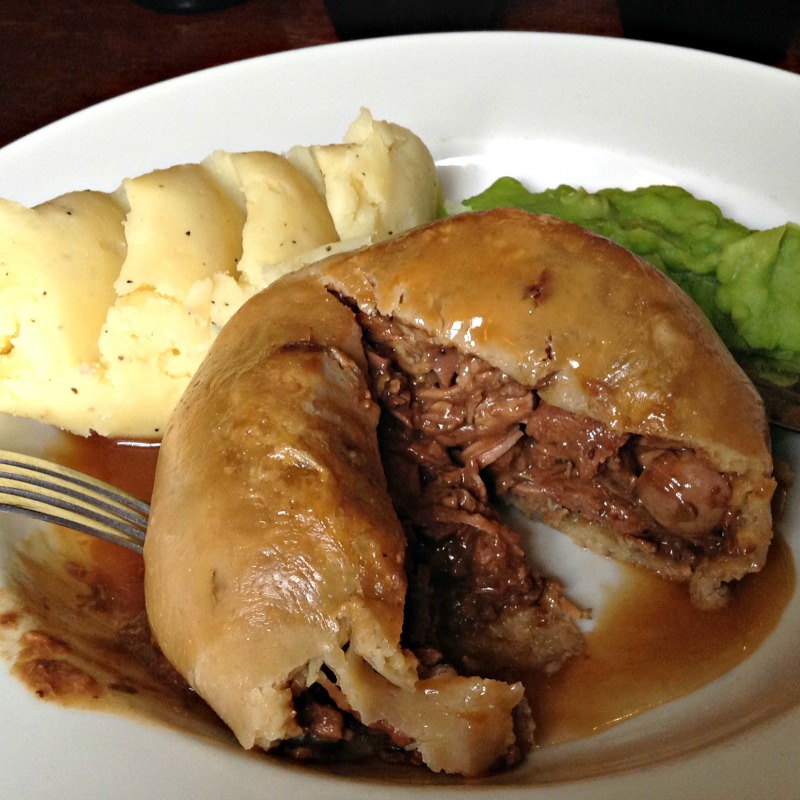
{"x":327,"y":563}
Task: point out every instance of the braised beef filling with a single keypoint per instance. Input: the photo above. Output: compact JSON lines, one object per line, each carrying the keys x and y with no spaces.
{"x":658,"y":492}
{"x":458,"y":433}
{"x":333,"y":734}
{"x":472,"y":595}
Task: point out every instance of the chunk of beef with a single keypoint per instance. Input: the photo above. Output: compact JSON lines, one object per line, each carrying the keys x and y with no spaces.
{"x":472,"y":594}
{"x":467,"y":423}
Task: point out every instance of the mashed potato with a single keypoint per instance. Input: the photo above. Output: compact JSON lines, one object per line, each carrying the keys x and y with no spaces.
{"x":377,"y":183}
{"x":108,"y":302}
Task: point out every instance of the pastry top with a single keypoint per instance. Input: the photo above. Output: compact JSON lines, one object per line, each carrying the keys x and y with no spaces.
{"x":260,"y":433}
{"x":592,"y":327}
{"x":274,"y":559}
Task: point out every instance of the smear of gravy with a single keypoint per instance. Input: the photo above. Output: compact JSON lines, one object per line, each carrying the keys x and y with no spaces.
{"x":83,"y":637}
{"x":650,"y":645}
{"x":78,"y":615}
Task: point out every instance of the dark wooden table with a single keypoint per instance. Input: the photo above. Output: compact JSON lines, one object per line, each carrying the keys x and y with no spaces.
{"x":59,"y":57}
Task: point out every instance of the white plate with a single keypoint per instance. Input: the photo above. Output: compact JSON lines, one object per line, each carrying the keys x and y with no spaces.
{"x":548,"y":109}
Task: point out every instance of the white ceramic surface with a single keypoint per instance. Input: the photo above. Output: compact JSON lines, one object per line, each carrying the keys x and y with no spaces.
{"x":548,"y":109}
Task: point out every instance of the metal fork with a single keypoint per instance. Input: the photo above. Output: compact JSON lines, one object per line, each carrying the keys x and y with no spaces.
{"x":38,"y":488}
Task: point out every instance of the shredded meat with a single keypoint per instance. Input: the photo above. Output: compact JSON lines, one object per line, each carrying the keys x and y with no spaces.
{"x":456,"y":432}
{"x":566,"y":438}
{"x":665,"y":495}
{"x":447,"y":417}
{"x":466,"y":424}
{"x":319,"y":719}
{"x":331,"y":732}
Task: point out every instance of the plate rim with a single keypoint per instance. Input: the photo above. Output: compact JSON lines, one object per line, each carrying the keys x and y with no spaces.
{"x":610,"y":784}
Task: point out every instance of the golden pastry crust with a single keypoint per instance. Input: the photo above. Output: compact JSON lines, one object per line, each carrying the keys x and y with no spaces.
{"x":274,"y":557}
{"x":594,"y":330}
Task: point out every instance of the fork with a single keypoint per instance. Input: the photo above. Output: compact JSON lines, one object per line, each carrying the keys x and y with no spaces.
{"x":44,"y":490}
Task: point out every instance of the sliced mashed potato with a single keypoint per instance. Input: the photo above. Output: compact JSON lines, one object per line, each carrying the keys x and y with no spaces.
{"x":379,"y":182}
{"x":108,"y":302}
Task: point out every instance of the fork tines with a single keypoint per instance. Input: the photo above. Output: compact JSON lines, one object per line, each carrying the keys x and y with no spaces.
{"x":66,"y":497}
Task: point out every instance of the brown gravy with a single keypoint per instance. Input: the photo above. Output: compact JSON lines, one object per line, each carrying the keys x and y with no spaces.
{"x":649,"y":645}
{"x":79,"y":621}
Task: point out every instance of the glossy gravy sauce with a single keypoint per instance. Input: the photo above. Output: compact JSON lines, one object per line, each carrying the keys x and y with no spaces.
{"x":89,"y":644}
{"x":650,"y":645}
{"x":78,"y":611}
